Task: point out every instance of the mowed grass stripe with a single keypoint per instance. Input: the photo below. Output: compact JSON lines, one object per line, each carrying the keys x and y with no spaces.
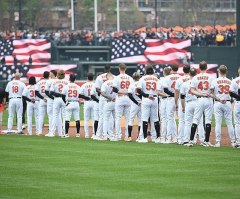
{"x":39,"y":167}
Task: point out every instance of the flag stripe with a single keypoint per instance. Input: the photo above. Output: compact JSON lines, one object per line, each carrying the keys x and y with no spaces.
{"x":167,"y":51}
{"x":157,"y":42}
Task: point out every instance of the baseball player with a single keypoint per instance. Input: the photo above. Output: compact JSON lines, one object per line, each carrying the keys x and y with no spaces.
{"x":40,"y":93}
{"x":2,"y":102}
{"x":98,"y":84}
{"x":188,"y":103}
{"x":95,"y":98}
{"x":234,"y":92}
{"x":163,"y":104}
{"x":178,"y":106}
{"x":147,"y":87}
{"x":220,"y":88}
{"x":32,"y":104}
{"x":201,"y":88}
{"x":58,"y":104}
{"x":14,"y":90}
{"x":70,"y":96}
{"x":135,"y":106}
{"x":123,"y":103}
{"x":109,"y":107}
{"x":169,"y":88}
{"x":50,"y":99}
{"x":88,"y":104}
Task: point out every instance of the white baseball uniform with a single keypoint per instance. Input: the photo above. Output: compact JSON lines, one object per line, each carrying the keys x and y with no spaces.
{"x":15,"y":89}
{"x":170,"y":82}
{"x":190,"y":104}
{"x":40,"y":87}
{"x":123,"y":103}
{"x":163,"y":110}
{"x":236,"y":112}
{"x":135,"y":109}
{"x":178,"y":85}
{"x":96,"y":106}
{"x":108,"y":109}
{"x":98,"y":84}
{"x":32,"y":108}
{"x":88,"y":106}
{"x":202,"y":83}
{"x":221,"y":88}
{"x":72,"y":91}
{"x":50,"y":105}
{"x":58,"y":106}
{"x":148,"y":84}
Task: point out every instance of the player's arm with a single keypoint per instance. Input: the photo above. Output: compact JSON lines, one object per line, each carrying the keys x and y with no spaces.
{"x":94,"y":98}
{"x":212,"y":95}
{"x":182,"y":96}
{"x":26,"y":98}
{"x":176,"y":96}
{"x":55,"y":94}
{"x":132,"y":98}
{"x":84,"y":97}
{"x":37,"y":93}
{"x":234,"y":95}
{"x":167,"y":91}
{"x":193,"y":91}
{"x":48,"y":94}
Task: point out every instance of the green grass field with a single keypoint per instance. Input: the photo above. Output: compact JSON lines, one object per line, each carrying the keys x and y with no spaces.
{"x":40,"y":167}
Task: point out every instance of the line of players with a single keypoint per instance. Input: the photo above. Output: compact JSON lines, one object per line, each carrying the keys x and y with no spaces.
{"x":151,"y":99}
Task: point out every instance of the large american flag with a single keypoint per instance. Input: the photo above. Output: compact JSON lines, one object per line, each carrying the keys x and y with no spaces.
{"x":169,"y":51}
{"x":38,"y":49}
{"x":40,"y":52}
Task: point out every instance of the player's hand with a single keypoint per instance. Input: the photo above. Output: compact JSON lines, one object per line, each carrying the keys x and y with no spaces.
{"x":223,"y":101}
{"x":183,"y":109}
{"x":151,"y":97}
{"x":176,"y":107}
{"x":45,"y":100}
{"x":113,"y":100}
{"x":33,"y":101}
{"x":67,"y":104}
{"x":139,"y":103}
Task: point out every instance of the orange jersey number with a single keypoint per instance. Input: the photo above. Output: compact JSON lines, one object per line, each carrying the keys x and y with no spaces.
{"x":15,"y":89}
{"x":32,"y":93}
{"x":224,"y":89}
{"x":151,"y":86}
{"x":72,"y":93}
{"x":60,"y":87}
{"x":203,"y":86}
{"x":124,"y":84}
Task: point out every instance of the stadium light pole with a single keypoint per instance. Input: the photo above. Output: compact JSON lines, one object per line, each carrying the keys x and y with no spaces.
{"x":72,"y":15}
{"x":118,"y":17}
{"x":95,"y":16}
{"x":156,"y":15}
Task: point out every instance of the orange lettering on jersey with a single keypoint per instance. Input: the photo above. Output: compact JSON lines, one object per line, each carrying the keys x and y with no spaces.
{"x":202,"y":78}
{"x":174,"y":78}
{"x":224,"y":81}
{"x":150,"y":78}
{"x":185,"y":79}
{"x":124,"y":77}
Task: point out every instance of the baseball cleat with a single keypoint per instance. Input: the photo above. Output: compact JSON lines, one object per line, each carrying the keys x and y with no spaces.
{"x":20,"y":133}
{"x":158,"y":140}
{"x":65,"y":136}
{"x":49,"y":135}
{"x":217,"y":144}
{"x":127,"y":139}
{"x":78,"y":135}
{"x":189,"y":144}
{"x":145,"y":140}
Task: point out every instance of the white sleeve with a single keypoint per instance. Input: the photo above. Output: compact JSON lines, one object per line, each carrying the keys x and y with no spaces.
{"x":81,"y":90}
{"x":233,"y":86}
{"x":213,"y":85}
{"x":166,"y":83}
{"x":116,"y":82}
{"x":93,"y":90}
{"x":159,"y":85}
{"x":37,"y":87}
{"x":64,"y":91}
{"x":131,"y":87}
{"x":25,"y":92}
{"x":103,"y":88}
{"x":178,"y":84}
{"x":194,"y":83}
{"x":140,"y":83}
{"x":183,"y":89}
{"x":98,"y":82}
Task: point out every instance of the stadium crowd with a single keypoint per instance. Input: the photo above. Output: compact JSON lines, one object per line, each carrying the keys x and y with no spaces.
{"x":199,"y":37}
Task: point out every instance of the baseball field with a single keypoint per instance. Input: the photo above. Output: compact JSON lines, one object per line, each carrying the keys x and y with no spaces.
{"x":42,"y":167}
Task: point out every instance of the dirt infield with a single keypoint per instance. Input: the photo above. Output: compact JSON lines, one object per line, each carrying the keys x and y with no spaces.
{"x":225,"y":141}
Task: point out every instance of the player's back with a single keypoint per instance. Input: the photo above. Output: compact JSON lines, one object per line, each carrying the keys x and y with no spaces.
{"x":107,"y":88}
{"x":133,"y":90}
{"x":86,"y":88}
{"x":235,"y":85}
{"x":72,"y":92}
{"x":180,"y":81}
{"x":202,"y":83}
{"x":29,"y":92}
{"x":122,"y":82}
{"x":148,"y":84}
{"x":221,"y":87}
{"x":15,"y":88}
{"x":100,"y":80}
{"x":58,"y":84}
{"x":185,"y":89}
{"x":41,"y":85}
{"x":170,"y":81}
